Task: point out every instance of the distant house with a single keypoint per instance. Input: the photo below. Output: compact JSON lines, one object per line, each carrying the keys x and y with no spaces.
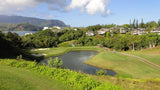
{"x":123,"y":30}
{"x":113,"y":29}
{"x":134,"y":32}
{"x":102,"y":31}
{"x":75,"y":29}
{"x":90,"y":33}
{"x":141,"y":31}
{"x":156,"y":30}
{"x":28,"y":34}
{"x":57,"y":27}
{"x":44,"y":28}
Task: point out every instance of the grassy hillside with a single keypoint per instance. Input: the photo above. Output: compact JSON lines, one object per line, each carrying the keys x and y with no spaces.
{"x":21,"y":79}
{"x":29,"y":75}
{"x":126,"y":66}
{"x":152,"y":55}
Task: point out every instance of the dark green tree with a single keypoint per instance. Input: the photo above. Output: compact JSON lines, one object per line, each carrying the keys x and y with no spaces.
{"x":137,"y":25}
{"x":159,"y":23}
{"x":134,"y":23}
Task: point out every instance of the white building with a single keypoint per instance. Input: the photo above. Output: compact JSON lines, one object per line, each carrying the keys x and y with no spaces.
{"x":123,"y":30}
{"x":113,"y":29}
{"x":156,"y":30}
{"x":57,"y":27}
{"x":44,"y":28}
{"x":141,"y":31}
{"x":90,"y":33}
{"x":28,"y":34}
{"x":75,"y":29}
{"x":102,"y":31}
{"x":138,"y":31}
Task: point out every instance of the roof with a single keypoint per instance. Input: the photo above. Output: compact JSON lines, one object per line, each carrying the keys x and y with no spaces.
{"x":103,"y":29}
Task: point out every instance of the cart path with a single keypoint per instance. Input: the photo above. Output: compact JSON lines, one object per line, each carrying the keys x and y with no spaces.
{"x":141,"y":59}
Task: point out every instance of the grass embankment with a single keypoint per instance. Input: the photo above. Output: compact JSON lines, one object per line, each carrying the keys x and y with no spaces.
{"x":126,"y":66}
{"x":21,"y":79}
{"x":26,"y":77}
{"x":152,"y":55}
{"x":61,"y":50}
{"x":130,"y":84}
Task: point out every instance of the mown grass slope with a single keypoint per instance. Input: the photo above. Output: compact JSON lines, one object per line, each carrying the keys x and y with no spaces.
{"x":126,"y":66}
{"x":152,"y":55}
{"x":32,"y":80}
{"x":20,"y":79}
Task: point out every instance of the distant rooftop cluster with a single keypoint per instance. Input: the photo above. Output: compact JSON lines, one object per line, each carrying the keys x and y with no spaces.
{"x":122,"y":30}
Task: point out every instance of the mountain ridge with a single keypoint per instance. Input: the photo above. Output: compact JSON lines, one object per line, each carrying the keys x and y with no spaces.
{"x":31,"y":20}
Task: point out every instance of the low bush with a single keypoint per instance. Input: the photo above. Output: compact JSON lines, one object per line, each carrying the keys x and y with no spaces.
{"x":101,"y":72}
{"x":57,"y":62}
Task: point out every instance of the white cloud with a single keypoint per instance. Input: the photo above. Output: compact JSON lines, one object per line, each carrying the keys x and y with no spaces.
{"x":16,"y":6}
{"x":92,"y":7}
{"x":108,"y":12}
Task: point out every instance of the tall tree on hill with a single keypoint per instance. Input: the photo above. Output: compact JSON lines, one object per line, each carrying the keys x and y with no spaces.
{"x":130,"y":23}
{"x":159,"y":23}
{"x":134,"y":23}
{"x":137,"y":24}
{"x":141,"y":25}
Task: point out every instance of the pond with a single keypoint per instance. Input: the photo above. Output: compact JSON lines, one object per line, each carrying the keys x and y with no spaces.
{"x":74,"y":61}
{"x":20,"y":33}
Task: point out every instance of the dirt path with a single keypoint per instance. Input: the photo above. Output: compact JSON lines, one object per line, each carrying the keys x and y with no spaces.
{"x":141,"y":59}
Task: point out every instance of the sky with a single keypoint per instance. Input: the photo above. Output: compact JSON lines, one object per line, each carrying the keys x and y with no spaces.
{"x":82,"y":13}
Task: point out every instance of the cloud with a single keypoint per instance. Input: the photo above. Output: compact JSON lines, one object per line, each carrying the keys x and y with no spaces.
{"x":92,"y":7}
{"x":20,"y":7}
{"x":108,"y":12}
{"x":16,"y":6}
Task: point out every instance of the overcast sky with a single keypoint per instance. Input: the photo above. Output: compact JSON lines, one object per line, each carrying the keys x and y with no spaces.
{"x":82,"y":13}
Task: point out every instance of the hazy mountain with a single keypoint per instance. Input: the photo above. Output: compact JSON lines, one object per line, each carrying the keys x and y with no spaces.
{"x":19,"y":27}
{"x":31,"y":20}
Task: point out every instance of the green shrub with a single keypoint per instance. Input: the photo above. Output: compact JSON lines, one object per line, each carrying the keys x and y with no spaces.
{"x":19,"y":57}
{"x":101,"y":72}
{"x":57,"y":63}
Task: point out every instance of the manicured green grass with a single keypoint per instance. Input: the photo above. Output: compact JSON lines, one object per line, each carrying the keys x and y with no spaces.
{"x":62,"y":50}
{"x":20,"y":79}
{"x":152,"y":55}
{"x":126,"y":66}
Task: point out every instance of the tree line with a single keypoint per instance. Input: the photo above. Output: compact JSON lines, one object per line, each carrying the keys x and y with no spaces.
{"x":12,"y":43}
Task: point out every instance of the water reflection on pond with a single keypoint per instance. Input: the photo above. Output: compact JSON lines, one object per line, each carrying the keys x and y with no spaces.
{"x":74,"y":60}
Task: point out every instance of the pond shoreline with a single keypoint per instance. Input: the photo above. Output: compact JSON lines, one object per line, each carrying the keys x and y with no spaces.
{"x":100,"y":67}
{"x":70,"y":49}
